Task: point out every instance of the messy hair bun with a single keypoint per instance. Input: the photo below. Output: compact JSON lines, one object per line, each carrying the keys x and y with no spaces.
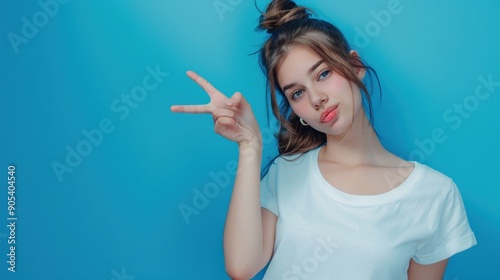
{"x":279,"y":12}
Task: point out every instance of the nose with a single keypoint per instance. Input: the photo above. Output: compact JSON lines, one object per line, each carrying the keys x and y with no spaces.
{"x":318,"y":99}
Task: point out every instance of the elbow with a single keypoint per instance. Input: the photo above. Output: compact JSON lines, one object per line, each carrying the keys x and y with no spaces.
{"x":238,"y":275}
{"x":240,"y":272}
{"x":234,"y":276}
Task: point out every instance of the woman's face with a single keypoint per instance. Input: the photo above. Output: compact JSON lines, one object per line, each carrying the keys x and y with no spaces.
{"x":323,"y":98}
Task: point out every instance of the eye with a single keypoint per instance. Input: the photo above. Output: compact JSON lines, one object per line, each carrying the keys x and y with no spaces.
{"x":324,"y":74}
{"x":297,"y":94}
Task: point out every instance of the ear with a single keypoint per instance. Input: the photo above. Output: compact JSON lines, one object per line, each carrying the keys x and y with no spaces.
{"x":358,"y":65}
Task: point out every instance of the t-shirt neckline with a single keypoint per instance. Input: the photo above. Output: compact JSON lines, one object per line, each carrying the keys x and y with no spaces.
{"x":364,"y":200}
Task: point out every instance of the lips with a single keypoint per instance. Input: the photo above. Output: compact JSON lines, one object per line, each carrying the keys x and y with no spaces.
{"x":329,"y":114}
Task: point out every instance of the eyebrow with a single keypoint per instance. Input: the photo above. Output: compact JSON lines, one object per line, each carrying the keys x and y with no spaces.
{"x":316,"y":65}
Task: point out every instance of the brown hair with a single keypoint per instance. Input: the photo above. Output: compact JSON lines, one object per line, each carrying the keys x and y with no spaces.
{"x":291,"y":25}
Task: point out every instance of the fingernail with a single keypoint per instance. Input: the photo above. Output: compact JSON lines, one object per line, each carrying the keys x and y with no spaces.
{"x":229,"y":102}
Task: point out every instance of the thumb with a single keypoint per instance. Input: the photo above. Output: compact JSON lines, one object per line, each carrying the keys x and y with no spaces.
{"x":237,"y":100}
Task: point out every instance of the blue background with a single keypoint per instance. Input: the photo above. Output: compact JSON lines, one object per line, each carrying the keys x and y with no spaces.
{"x":116,"y":215}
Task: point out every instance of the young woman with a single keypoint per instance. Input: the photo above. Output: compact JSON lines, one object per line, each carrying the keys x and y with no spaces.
{"x":335,"y":204}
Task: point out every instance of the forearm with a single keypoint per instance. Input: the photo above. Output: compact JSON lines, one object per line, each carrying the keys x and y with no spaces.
{"x":243,"y":234}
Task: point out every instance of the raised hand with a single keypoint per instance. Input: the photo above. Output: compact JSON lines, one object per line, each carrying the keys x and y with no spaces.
{"x":233,"y":117}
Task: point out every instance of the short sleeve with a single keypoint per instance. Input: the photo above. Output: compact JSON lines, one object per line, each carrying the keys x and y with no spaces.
{"x":452,"y":233}
{"x":268,"y":190}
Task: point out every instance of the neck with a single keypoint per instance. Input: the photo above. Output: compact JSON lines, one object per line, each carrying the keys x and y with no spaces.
{"x":358,"y":146}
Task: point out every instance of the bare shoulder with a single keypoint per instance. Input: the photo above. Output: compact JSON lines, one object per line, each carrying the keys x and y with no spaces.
{"x":404,"y":167}
{"x":396,"y":170}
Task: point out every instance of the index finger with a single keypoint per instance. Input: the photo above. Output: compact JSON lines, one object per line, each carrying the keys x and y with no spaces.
{"x":211,"y":90}
{"x":192,"y":109}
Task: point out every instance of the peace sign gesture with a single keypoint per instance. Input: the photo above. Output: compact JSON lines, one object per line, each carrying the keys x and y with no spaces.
{"x":233,"y":117}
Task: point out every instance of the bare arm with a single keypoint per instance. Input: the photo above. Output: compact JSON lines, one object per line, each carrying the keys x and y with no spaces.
{"x":433,"y":271}
{"x":249,"y":230}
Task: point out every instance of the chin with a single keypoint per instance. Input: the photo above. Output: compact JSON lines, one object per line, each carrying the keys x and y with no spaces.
{"x":338,"y":128}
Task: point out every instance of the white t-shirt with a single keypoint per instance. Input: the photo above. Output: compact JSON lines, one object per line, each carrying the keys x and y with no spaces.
{"x":324,"y":233}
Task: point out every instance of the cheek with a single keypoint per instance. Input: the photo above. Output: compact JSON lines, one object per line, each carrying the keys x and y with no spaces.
{"x":338,"y":81}
{"x":339,"y":88}
{"x":352,"y":93}
{"x":300,"y":108}
{"x":356,"y":95}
